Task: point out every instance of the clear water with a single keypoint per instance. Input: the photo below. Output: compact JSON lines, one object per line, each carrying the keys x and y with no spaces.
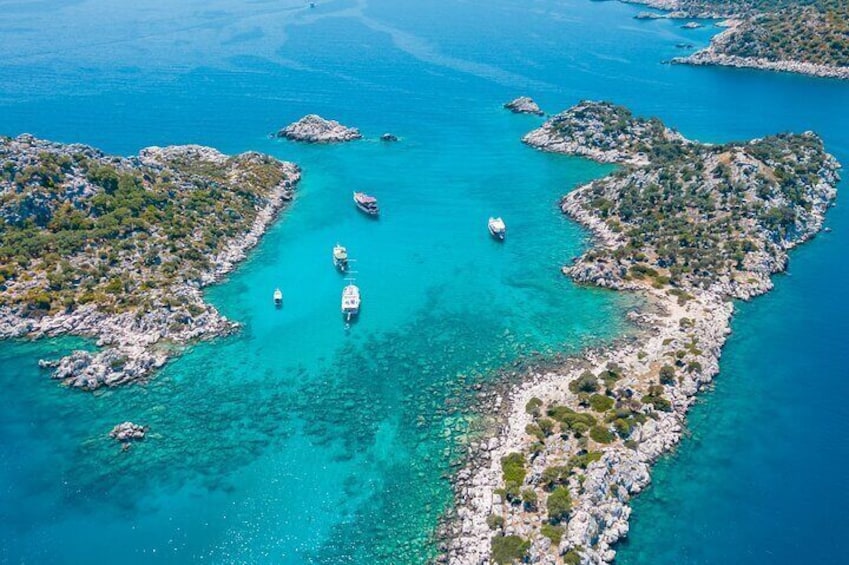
{"x":298,"y":442}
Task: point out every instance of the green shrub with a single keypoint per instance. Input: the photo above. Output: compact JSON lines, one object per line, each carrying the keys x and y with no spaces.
{"x":587,"y":382}
{"x":601,"y":403}
{"x":529,"y":498}
{"x":584,"y":459}
{"x":572,"y":557}
{"x":655,"y":398}
{"x":570,"y":419}
{"x":494,"y":521}
{"x":667,"y":375}
{"x":623,"y":427}
{"x":601,"y":434}
{"x":513,"y":468}
{"x":559,"y":504}
{"x":552,"y":532}
{"x":536,"y":431}
{"x":554,"y":475}
{"x":509,"y":549}
{"x":533,"y":406}
{"x":546,"y":425}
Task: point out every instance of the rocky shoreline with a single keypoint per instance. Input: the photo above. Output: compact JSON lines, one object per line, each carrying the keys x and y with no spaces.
{"x":720,"y":52}
{"x":530,"y":493}
{"x":713,"y":55}
{"x":136,"y":340}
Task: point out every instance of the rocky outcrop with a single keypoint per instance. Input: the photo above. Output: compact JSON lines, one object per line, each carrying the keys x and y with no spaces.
{"x":591,"y":129}
{"x":128,"y":432}
{"x":313,"y":128}
{"x":524,"y":105}
{"x":593,"y":427}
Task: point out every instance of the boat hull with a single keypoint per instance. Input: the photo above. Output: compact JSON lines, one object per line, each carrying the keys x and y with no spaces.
{"x":372,"y":212}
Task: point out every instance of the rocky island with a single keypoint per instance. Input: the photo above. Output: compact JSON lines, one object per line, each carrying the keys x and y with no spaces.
{"x":118,"y":249}
{"x":689,"y":227}
{"x":313,"y":128}
{"x":809,"y":37}
{"x":524,"y":105}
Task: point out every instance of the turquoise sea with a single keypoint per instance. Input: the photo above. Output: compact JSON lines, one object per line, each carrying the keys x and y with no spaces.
{"x":297,"y":441}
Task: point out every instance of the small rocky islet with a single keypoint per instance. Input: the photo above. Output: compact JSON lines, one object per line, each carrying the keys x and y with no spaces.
{"x":312,"y":128}
{"x":118,"y":249}
{"x":689,"y":226}
{"x":524,"y":105}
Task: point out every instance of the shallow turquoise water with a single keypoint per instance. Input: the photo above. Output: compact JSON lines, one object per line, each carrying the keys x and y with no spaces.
{"x":298,"y":442}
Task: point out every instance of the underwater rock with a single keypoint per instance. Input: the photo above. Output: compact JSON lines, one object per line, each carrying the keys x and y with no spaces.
{"x":127,"y":432}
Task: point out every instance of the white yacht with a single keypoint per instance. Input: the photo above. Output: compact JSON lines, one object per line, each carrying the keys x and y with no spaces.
{"x":278,"y":297}
{"x":497,"y":228}
{"x":350,"y":301}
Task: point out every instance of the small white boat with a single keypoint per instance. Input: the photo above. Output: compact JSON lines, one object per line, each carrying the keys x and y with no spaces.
{"x":278,"y":297}
{"x":340,"y":257}
{"x":497,"y":228}
{"x":350,"y":301}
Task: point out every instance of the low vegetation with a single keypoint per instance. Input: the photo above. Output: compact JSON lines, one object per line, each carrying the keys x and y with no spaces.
{"x":689,"y":214}
{"x":509,"y":549}
{"x":80,"y":227}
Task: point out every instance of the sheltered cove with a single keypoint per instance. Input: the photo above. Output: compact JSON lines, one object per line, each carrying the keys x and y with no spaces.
{"x":118,"y":249}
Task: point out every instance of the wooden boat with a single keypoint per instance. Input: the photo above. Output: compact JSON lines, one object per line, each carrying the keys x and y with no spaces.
{"x":497,"y":228}
{"x":366,"y":203}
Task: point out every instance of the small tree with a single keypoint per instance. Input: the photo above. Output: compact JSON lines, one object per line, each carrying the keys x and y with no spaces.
{"x":533,"y":406}
{"x":601,"y":434}
{"x":509,"y":549}
{"x":667,"y":375}
{"x":585,"y":383}
{"x":559,"y":504}
{"x":529,"y":499}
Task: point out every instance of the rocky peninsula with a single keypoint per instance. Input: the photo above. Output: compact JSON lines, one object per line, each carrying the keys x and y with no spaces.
{"x":689,"y":227}
{"x":313,"y":128}
{"x":524,"y":105}
{"x":118,"y":249}
{"x":809,"y":38}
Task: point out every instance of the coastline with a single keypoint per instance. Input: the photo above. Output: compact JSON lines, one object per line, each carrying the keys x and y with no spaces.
{"x":713,"y":54}
{"x":690,"y":327}
{"x":132,"y":344}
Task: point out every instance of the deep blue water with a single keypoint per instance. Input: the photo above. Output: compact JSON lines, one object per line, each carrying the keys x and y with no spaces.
{"x":297,"y":442}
